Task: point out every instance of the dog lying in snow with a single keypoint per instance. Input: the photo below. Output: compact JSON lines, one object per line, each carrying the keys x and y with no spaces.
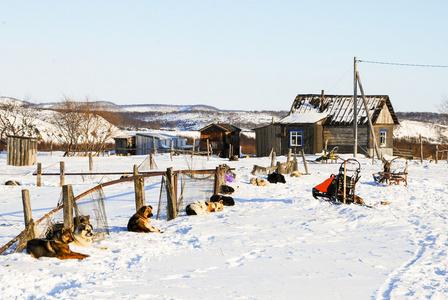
{"x":12,"y":182}
{"x":55,"y":247}
{"x":203,"y":208}
{"x":226,"y":200}
{"x":276,"y":178}
{"x":296,"y":174}
{"x":259,"y":181}
{"x":82,"y":236}
{"x":140,"y":222}
{"x":227,"y":189}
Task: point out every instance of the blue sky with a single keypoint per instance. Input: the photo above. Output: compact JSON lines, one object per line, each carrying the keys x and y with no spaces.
{"x":251,"y":55}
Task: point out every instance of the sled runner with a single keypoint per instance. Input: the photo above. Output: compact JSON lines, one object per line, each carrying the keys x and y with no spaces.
{"x":394,"y":171}
{"x":341,"y":187}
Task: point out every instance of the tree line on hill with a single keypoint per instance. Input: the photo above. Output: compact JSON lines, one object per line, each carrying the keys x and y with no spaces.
{"x":87,"y":126}
{"x":76,"y":127}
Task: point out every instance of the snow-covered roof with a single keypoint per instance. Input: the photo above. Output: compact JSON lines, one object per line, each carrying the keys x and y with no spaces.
{"x":339,"y":109}
{"x":160,"y":136}
{"x":309,"y":117}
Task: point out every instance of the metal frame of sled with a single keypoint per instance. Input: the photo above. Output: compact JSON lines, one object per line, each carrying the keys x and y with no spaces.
{"x":341,"y":188}
{"x":390,"y":176}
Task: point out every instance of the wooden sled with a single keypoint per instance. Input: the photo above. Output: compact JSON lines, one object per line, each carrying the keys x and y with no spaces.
{"x":395,"y":171}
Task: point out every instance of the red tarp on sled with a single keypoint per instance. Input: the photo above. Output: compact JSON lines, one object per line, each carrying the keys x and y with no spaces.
{"x":323,"y":187}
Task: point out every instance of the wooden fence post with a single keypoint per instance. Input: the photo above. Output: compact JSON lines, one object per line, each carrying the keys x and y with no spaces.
{"x":304,"y":162}
{"x":67,"y":202}
{"x":39,"y":174}
{"x":345,"y":181}
{"x":154,"y":145}
{"x":208,"y":150}
{"x":91,"y":161}
{"x":272,"y":158}
{"x":171,"y":195}
{"x":62,"y":173}
{"x":280,"y":169}
{"x":29,"y":232}
{"x":217,"y":180}
{"x":437,"y":154}
{"x":192,"y":149}
{"x":151,"y":162}
{"x":172,"y":150}
{"x":27,"y":213}
{"x":211,"y":150}
{"x":421,"y":149}
{"x":139,"y":186}
{"x":295,"y":166}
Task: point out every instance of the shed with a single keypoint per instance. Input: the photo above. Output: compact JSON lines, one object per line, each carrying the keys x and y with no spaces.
{"x":22,"y":151}
{"x":147,"y":142}
{"x":125,"y":145}
{"x":316,"y":119}
{"x":221,"y":136}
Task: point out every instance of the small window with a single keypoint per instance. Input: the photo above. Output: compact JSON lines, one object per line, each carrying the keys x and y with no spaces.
{"x":295,"y":138}
{"x":383,"y":138}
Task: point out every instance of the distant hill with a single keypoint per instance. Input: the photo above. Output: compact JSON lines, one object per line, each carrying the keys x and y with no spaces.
{"x":166,"y":108}
{"x":431,"y":117}
{"x":432,"y":126}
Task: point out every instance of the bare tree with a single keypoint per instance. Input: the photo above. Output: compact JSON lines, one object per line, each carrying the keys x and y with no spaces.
{"x":17,"y":118}
{"x":79,"y":126}
{"x":443,"y":109}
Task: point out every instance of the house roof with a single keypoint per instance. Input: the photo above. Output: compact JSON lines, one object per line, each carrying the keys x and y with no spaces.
{"x":161,"y":136}
{"x":338,"y":109}
{"x":222,"y":126}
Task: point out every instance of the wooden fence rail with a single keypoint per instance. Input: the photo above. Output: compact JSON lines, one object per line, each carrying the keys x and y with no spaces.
{"x":219,"y":179}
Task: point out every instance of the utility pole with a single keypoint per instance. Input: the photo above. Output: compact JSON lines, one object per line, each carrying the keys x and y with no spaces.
{"x":355,"y":107}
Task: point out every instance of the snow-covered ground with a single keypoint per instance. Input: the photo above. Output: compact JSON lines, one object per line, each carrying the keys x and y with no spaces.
{"x":277,"y":242}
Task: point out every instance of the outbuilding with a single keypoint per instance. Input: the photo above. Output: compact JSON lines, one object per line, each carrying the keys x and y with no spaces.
{"x":146,"y":143}
{"x":223,"y":138}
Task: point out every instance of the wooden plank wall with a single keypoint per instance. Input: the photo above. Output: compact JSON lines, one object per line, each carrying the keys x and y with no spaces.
{"x":342,"y":137}
{"x":268,"y":138}
{"x":308,"y":138}
{"x":22,"y":151}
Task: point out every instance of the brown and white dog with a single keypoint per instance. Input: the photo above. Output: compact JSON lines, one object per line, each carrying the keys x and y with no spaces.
{"x":83,"y":235}
{"x":259,"y":181}
{"x":296,"y":174}
{"x":140,"y":222}
{"x":203,"y":208}
{"x":55,"y":247}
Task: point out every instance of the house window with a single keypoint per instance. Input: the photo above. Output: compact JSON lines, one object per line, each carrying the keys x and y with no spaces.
{"x":383,"y":138}
{"x":296,"y":138}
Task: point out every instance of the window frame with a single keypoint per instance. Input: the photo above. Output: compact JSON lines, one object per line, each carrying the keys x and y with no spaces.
{"x":294,"y":132}
{"x":383,"y":136}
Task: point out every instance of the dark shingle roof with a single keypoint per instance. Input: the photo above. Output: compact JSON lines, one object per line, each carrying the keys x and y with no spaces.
{"x":223,"y":127}
{"x":339,"y":108}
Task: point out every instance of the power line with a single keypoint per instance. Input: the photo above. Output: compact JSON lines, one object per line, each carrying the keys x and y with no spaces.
{"x":398,"y":64}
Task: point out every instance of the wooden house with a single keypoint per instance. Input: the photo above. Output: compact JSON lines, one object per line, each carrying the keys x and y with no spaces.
{"x":316,"y":120}
{"x":223,"y":138}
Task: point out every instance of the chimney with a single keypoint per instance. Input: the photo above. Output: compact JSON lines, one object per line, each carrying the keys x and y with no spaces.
{"x":321,"y":106}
